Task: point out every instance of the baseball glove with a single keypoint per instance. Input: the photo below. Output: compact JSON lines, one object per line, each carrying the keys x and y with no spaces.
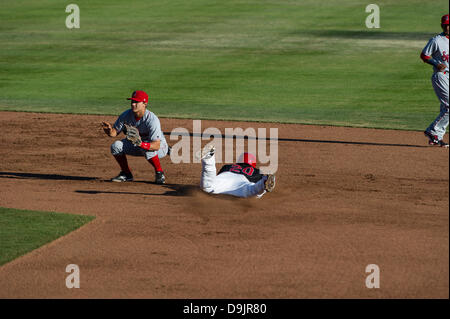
{"x":132,"y":134}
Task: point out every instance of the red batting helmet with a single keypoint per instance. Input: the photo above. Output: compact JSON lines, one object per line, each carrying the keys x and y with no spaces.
{"x":248,"y":158}
{"x":444,"y":19}
{"x":139,"y":96}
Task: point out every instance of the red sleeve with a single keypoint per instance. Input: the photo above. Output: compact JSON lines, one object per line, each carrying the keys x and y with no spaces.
{"x":424,"y":57}
{"x":145,"y":146}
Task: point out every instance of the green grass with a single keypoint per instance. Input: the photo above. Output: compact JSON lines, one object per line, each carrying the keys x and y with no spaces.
{"x":283,"y":61}
{"x":22,"y":231}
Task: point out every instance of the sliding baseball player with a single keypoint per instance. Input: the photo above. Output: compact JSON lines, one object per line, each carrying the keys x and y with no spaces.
{"x":241,"y":179}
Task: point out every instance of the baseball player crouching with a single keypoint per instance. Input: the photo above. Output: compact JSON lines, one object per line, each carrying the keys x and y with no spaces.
{"x":143,"y":138}
{"x":436,"y":53}
{"x":242,"y":179}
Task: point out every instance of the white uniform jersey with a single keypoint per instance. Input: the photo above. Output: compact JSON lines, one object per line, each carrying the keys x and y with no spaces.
{"x":437,"y":48}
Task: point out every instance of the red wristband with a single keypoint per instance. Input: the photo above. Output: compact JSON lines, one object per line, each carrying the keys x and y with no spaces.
{"x":146,"y":146}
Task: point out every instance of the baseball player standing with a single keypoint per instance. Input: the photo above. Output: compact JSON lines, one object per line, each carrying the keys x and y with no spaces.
{"x":242,"y":179}
{"x":152,"y":143}
{"x":436,"y":53}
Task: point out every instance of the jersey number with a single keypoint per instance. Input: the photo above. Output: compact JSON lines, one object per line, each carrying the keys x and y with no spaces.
{"x":238,"y":169}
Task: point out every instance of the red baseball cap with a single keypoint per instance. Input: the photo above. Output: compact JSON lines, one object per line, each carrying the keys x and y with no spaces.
{"x":444,"y":19}
{"x":139,"y":96}
{"x":248,"y":158}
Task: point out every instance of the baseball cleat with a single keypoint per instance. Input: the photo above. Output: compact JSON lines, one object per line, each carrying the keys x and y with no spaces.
{"x":206,"y":152}
{"x":432,"y":139}
{"x":160,"y":178}
{"x":443,"y":144}
{"x":123,"y":177}
{"x":269,"y":184}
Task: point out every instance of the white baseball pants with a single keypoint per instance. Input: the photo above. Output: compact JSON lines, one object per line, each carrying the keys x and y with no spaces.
{"x":440,"y":85}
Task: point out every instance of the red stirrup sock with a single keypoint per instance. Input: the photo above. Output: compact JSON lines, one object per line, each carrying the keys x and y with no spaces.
{"x":155,"y":163}
{"x":123,"y":163}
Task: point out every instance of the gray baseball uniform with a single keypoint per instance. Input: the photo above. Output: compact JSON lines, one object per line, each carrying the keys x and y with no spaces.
{"x":149,"y":128}
{"x":437,"y":48}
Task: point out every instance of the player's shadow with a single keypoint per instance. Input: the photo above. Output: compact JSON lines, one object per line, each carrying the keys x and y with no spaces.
{"x":56,"y":177}
{"x":172,"y":190}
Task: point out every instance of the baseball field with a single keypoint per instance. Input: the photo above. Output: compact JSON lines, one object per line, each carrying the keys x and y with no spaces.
{"x":357,"y":183}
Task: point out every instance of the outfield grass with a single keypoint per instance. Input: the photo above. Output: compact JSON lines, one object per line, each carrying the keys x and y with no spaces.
{"x":283,"y":61}
{"x":22,"y":231}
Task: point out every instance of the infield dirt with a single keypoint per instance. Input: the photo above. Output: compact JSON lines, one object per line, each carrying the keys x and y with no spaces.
{"x":345,"y":198}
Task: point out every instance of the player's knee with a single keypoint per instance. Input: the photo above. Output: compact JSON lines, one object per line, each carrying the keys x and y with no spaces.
{"x":150,"y":155}
{"x":117,"y":148}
